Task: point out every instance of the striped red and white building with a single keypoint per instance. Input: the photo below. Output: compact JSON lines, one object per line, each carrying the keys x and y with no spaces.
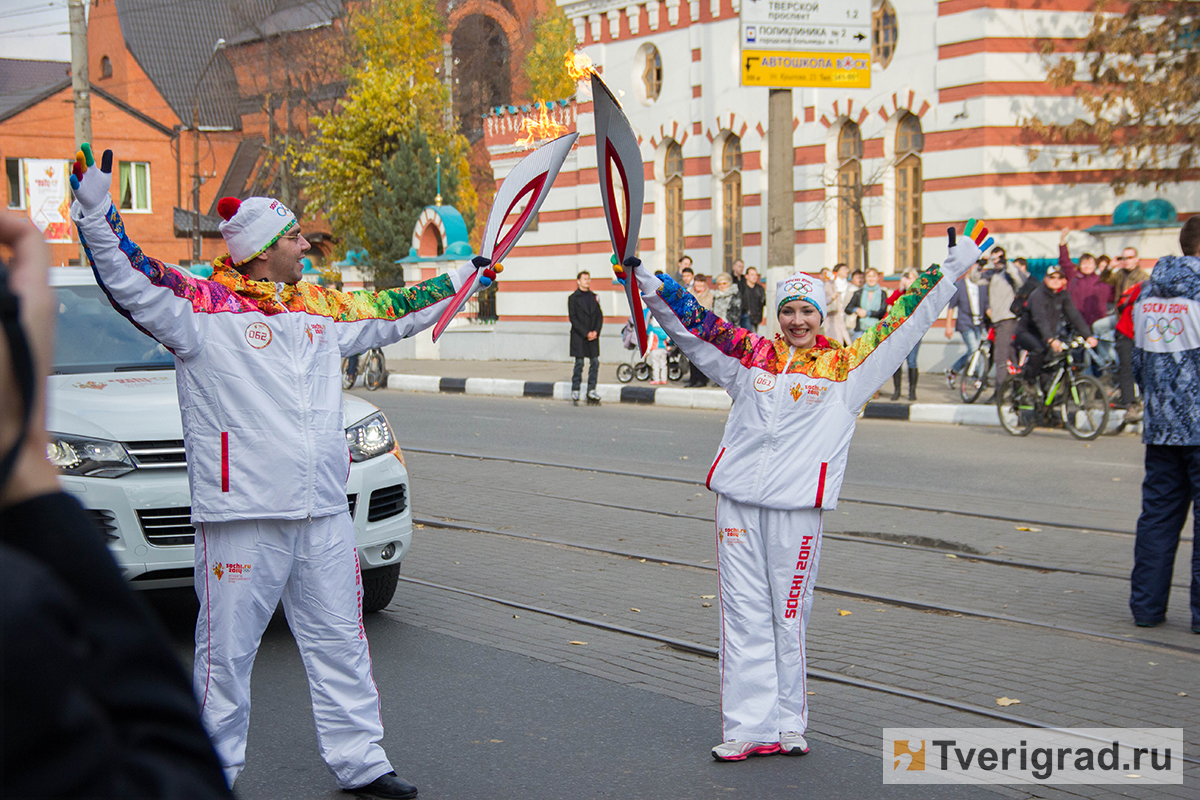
{"x":938,"y":138}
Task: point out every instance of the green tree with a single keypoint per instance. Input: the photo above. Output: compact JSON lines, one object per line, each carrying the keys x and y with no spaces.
{"x":395,"y":89}
{"x":545,"y":62}
{"x":405,"y":184}
{"x":1140,"y":99}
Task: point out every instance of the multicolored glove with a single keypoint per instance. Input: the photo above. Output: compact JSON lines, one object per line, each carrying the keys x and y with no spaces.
{"x":647,"y":282}
{"x":480,"y":264}
{"x":90,"y":182}
{"x":965,"y":252}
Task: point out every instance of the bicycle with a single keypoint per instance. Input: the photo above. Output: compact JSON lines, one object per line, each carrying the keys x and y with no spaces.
{"x":1076,"y":400}
{"x":374,"y":371}
{"x":978,"y":371}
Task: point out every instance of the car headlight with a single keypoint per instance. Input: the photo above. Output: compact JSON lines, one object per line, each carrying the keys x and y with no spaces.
{"x":369,"y":438}
{"x":81,"y":455}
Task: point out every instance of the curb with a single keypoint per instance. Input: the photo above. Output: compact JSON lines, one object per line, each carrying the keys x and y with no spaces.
{"x":673,"y":397}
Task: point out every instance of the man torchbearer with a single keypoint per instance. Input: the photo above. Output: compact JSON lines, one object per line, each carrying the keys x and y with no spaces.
{"x":257,"y":358}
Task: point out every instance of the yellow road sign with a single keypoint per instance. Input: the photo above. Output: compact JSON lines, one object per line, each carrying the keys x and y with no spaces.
{"x":781,"y":69}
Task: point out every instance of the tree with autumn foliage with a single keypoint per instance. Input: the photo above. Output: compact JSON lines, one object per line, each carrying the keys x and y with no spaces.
{"x":395,"y":91}
{"x":545,"y":62}
{"x":1140,"y":99}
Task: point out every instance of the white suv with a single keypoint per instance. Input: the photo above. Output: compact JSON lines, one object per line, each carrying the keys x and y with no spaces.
{"x":117,"y":440}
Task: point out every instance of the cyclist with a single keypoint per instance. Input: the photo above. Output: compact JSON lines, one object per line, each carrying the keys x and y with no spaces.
{"x":1038,"y":326}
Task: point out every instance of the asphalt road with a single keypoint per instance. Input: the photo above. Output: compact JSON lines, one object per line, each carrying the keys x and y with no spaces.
{"x":480,"y":701}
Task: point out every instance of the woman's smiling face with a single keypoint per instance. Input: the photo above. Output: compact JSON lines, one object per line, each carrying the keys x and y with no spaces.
{"x":799,"y":321}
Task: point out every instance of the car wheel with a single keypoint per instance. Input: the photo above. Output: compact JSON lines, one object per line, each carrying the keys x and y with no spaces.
{"x":379,"y":585}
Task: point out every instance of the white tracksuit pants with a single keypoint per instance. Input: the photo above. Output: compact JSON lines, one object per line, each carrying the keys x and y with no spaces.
{"x":767,"y":561}
{"x":243,"y":569}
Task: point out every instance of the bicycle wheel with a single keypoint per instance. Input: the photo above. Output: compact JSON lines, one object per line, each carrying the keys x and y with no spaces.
{"x":375,"y":375}
{"x":973,"y":378}
{"x":642,"y":371}
{"x":624,"y":373}
{"x":1085,"y":408}
{"x":1017,"y":410}
{"x":347,"y":378}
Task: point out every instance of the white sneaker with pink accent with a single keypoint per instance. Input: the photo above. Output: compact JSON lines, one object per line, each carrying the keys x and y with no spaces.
{"x":740,"y":751}
{"x":792,"y":743}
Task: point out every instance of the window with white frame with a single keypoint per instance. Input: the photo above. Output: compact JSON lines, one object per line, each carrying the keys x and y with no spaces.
{"x":15,"y":180}
{"x":135,"y":186}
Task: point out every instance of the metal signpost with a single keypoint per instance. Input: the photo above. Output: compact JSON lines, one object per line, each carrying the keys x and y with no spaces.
{"x":788,"y":43}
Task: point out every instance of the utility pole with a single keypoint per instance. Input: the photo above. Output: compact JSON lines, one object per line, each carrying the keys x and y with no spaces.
{"x":781,"y":203}
{"x":80,"y":84}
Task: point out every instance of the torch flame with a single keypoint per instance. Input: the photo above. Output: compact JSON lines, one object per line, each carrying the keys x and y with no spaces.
{"x":540,"y":128}
{"x":579,"y":66}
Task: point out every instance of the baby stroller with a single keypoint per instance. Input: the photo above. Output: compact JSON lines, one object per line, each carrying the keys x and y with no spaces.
{"x":637,"y":367}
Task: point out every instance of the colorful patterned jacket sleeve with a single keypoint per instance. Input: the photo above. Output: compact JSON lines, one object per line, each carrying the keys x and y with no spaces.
{"x":363,"y":320}
{"x":159,"y":300}
{"x":716,"y":347}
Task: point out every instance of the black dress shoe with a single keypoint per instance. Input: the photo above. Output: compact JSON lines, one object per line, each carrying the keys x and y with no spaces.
{"x":386,"y":786}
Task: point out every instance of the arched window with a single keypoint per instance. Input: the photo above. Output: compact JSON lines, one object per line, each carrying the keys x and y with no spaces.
{"x":105,"y":67}
{"x":673,"y":183}
{"x":652,"y":72}
{"x":850,"y":195}
{"x":731,"y":199}
{"x":910,"y":141}
{"x":883,"y":34}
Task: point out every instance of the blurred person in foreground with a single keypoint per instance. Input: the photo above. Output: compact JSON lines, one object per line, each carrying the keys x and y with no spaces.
{"x":1166,"y":365}
{"x":94,"y":703}
{"x":782,"y":458}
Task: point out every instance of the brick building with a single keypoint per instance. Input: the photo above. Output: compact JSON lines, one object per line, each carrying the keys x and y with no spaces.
{"x":938,"y":138}
{"x":152,"y":66}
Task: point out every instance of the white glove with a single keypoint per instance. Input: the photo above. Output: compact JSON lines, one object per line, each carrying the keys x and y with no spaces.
{"x":963,"y":253}
{"x":91,"y":181}
{"x":479,"y":264}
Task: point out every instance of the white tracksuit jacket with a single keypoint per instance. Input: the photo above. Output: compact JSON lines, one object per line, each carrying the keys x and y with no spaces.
{"x":788,"y":432}
{"x":258,"y":368}
{"x":781,"y":461}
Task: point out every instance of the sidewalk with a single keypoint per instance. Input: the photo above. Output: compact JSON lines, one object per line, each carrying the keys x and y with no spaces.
{"x":936,"y":402}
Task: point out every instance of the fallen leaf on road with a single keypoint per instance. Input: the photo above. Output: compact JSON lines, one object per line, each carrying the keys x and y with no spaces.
{"x":1023,"y":528}
{"x":1116,"y":480}
{"x":706,"y":605}
{"x":576,"y":642}
{"x":1007,"y":701}
{"x":515,"y":616}
{"x":1181,"y":694}
{"x":951,"y":555}
{"x":708,"y":597}
{"x":636,"y":610}
{"x":641,"y":561}
{"x":844,"y":613}
{"x":810,"y":692}
{"x":880,"y":610}
{"x":1152,"y":663}
{"x":496,"y":741}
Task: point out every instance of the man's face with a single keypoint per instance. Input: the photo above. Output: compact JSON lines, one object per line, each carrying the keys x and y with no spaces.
{"x":686,"y":274}
{"x":843,"y":272}
{"x":1129,"y":258}
{"x":1055,"y":282}
{"x":739,"y":267}
{"x":281,"y":262}
{"x":1087,"y":266}
{"x":685,"y":263}
{"x":751,"y":277}
{"x":859,"y":279}
{"x":997,"y":257}
{"x":584,"y":281}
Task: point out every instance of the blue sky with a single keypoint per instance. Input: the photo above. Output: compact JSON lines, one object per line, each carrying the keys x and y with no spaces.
{"x":34,"y":29}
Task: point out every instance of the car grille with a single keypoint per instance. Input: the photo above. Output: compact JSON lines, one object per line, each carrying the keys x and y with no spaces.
{"x":164,"y":527}
{"x":157,"y":454}
{"x":387,"y":502}
{"x":105,"y":522}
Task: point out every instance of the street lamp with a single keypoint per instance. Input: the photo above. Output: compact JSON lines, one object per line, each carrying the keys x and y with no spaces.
{"x":218,"y":47}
